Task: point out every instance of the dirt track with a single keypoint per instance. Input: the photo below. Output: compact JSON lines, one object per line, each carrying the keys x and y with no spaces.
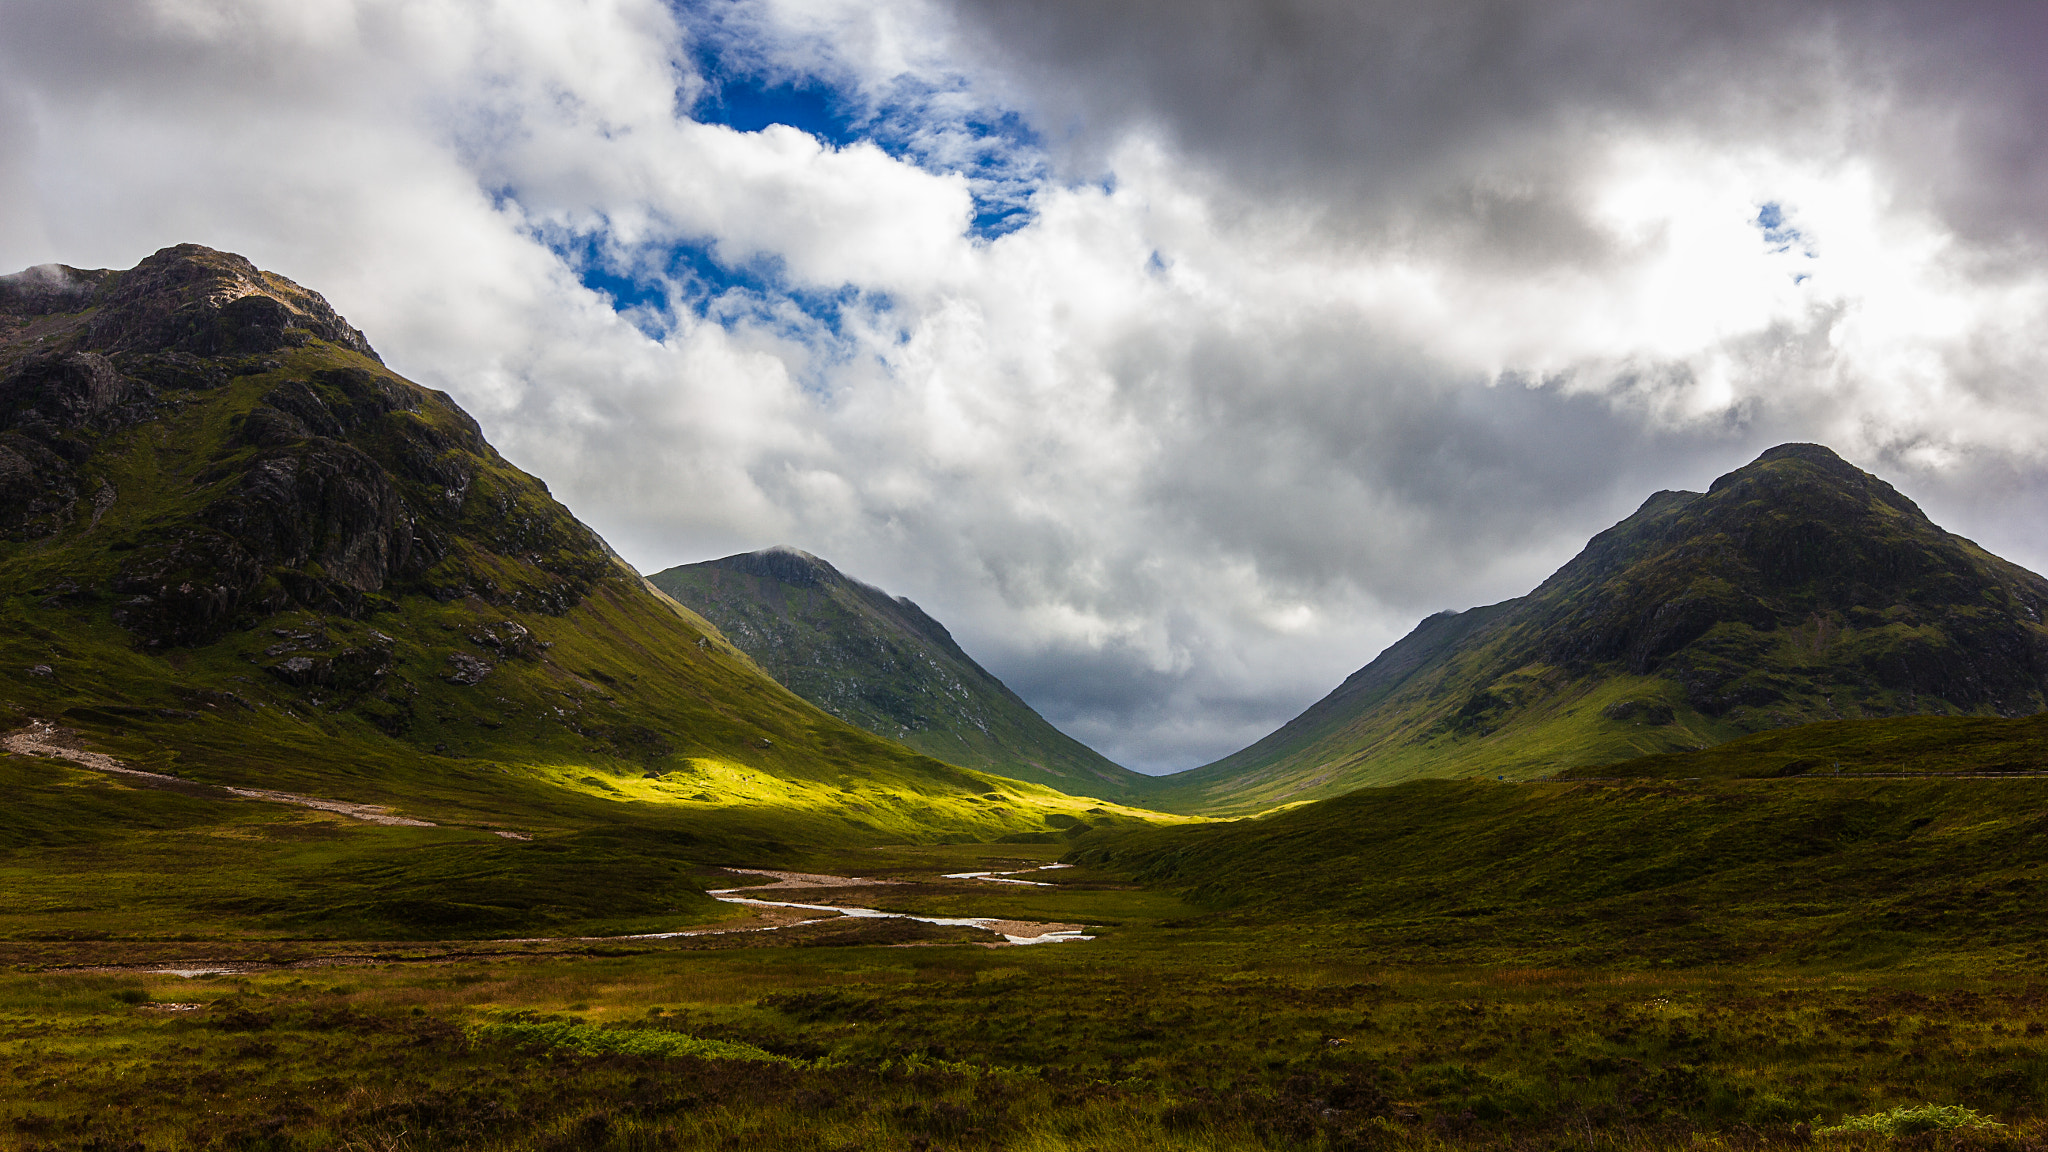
{"x":41,"y":738}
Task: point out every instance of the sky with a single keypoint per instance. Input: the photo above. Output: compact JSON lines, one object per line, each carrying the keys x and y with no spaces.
{"x":1178,"y":356}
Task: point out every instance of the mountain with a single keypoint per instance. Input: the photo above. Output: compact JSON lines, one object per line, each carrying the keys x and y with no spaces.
{"x":1796,"y":589}
{"x":236,"y":548}
{"x":880,"y":662}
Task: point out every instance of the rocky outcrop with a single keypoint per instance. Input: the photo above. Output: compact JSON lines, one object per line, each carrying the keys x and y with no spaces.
{"x":466,"y":669}
{"x":49,"y":288}
{"x":50,"y":405}
{"x":320,"y":502}
{"x":38,"y":489}
{"x":57,"y":392}
{"x":193,"y":299}
{"x":189,"y":588}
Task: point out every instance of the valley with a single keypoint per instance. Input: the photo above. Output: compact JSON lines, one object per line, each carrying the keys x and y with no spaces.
{"x":1210,"y":1021}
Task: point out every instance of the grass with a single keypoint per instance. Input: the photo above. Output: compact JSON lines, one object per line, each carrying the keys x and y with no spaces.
{"x":588,"y":1040}
{"x":1442,"y":965}
{"x":1154,"y":1039}
{"x":1903,"y":745}
{"x":1655,"y":871}
{"x":1912,"y":1121}
{"x":88,"y":856}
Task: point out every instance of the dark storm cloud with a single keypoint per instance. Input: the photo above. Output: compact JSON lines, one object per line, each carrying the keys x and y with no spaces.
{"x":1333,"y":102}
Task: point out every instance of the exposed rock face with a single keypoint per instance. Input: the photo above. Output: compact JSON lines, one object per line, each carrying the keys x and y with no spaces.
{"x":466,"y":669}
{"x":38,"y":488}
{"x":190,"y":588}
{"x":57,"y":392}
{"x":47,"y":400}
{"x":320,"y":502}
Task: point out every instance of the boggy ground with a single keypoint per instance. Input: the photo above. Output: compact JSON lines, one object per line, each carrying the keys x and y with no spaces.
{"x":1162,"y":1033}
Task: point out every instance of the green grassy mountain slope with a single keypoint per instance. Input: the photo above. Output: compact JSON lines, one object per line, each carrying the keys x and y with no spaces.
{"x":1959,"y":746}
{"x":1811,"y":870}
{"x":880,"y":662}
{"x":236,"y":548}
{"x":1796,"y":589}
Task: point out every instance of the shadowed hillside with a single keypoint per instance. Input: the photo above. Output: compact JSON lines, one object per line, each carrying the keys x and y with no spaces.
{"x":1709,"y":872}
{"x":878,"y":661}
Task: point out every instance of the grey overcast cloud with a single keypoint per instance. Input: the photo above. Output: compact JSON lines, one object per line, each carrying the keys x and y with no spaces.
{"x":1178,"y":356}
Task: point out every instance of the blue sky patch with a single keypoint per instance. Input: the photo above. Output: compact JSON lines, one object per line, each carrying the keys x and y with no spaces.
{"x":1778,"y":232}
{"x":748,"y":104}
{"x":756,"y":291}
{"x":641,"y":297}
{"x":935,"y":123}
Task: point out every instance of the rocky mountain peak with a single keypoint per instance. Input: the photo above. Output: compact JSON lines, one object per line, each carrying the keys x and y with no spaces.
{"x":320,"y":481}
{"x":1792,"y":475}
{"x":789,"y":565}
{"x":187,"y":298}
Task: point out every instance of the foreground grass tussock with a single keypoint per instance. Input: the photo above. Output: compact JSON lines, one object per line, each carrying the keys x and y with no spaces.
{"x":1912,"y":1121}
{"x":573,"y":1036}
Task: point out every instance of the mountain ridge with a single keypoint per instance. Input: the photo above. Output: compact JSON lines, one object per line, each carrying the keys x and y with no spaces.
{"x":884,"y":664}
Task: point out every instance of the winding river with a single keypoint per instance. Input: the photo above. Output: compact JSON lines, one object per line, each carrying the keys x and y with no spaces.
{"x":1012,"y":931}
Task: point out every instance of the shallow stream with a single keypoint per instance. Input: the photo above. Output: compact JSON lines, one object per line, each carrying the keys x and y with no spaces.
{"x":1012,"y":931}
